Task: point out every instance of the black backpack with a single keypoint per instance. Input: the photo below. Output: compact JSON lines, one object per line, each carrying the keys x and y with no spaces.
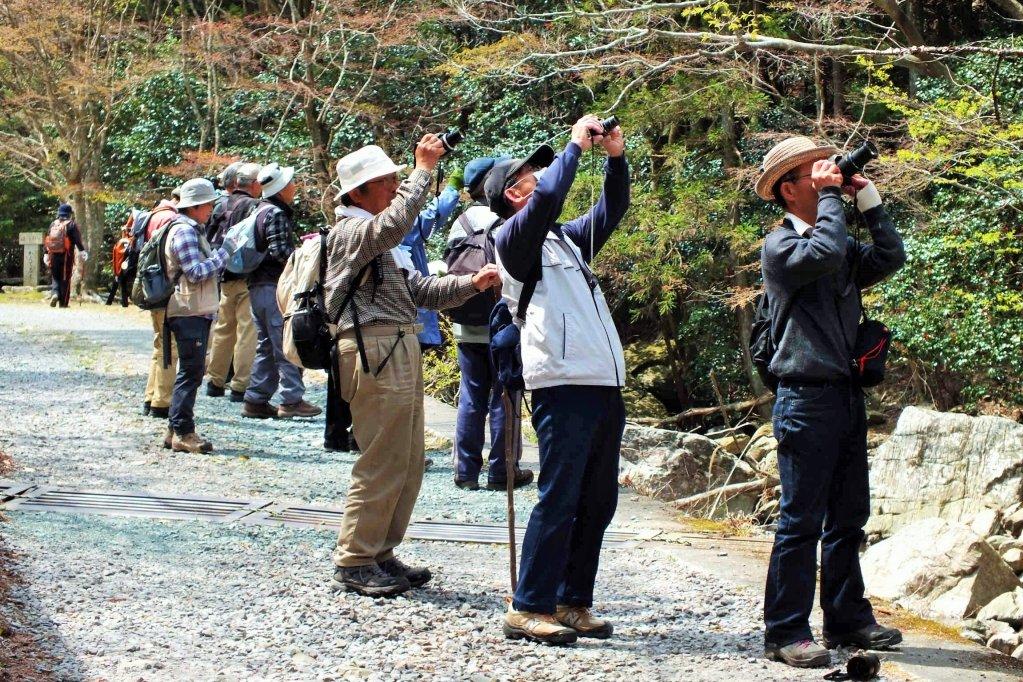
{"x":762,"y":346}
{"x":467,"y":256}
{"x":138,"y":240}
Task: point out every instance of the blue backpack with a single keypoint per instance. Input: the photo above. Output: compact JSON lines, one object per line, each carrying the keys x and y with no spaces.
{"x":248,"y":256}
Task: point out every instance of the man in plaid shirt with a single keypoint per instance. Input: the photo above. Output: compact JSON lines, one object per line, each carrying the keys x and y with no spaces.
{"x":378,"y":357}
{"x":275,"y":234}
{"x":194,"y":268}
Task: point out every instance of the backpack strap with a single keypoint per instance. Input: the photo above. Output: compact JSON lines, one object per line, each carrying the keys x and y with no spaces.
{"x":528,"y":287}
{"x":372,"y":267}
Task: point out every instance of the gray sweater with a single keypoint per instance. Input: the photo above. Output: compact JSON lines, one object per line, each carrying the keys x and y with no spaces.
{"x":809,"y":277}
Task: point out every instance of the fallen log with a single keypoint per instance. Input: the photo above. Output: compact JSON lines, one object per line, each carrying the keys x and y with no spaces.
{"x":725,"y":491}
{"x":700,"y":412}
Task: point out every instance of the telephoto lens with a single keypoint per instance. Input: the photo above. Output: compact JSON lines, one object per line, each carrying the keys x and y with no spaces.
{"x":609,"y":124}
{"x":855,"y":161}
{"x":451,"y":139}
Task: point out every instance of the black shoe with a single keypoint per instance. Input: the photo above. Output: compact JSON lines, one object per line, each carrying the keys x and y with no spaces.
{"x":522,"y":477}
{"x":870,"y":637}
{"x":428,"y":462}
{"x":146,"y":408}
{"x":159,"y":412}
{"x":467,"y":485}
{"x":214,"y":391}
{"x":417,"y":577}
{"x":369,"y":581}
{"x":337,"y":445}
{"x":237,"y":396}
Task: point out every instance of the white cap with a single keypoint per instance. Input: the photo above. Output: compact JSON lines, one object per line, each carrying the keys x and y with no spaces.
{"x":196,"y":192}
{"x":273,"y":178}
{"x":363,"y":165}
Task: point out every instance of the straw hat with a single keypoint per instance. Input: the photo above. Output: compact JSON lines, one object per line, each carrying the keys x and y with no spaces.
{"x":785,"y":156}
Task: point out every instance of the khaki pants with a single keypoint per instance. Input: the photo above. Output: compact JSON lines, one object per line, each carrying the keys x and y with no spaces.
{"x":233,"y":337}
{"x":387,"y":415}
{"x":161,"y":379}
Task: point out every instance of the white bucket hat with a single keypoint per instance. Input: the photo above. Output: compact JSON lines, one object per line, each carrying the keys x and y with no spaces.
{"x":273,"y":178}
{"x":361,"y":166}
{"x":196,"y":192}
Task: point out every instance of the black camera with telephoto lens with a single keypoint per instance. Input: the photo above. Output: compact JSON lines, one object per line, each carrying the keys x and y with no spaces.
{"x":855,"y":161}
{"x":451,"y":139}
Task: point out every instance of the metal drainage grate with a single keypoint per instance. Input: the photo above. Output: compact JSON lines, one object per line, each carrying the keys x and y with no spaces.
{"x":9,"y":489}
{"x":261,"y":512}
{"x":131,"y":503}
{"x":330,"y":517}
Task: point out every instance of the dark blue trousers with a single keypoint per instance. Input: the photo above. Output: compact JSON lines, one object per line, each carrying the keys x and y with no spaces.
{"x":825,"y":497}
{"x":580,"y":433}
{"x":479,"y":394}
{"x":191,"y":334}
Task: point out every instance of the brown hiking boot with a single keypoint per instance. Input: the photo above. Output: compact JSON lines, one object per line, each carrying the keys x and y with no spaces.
{"x":536,"y":627}
{"x":190,"y":442}
{"x":805,"y":653}
{"x":168,"y":438}
{"x":259,"y":410}
{"x":299,"y":409}
{"x":583,"y":622}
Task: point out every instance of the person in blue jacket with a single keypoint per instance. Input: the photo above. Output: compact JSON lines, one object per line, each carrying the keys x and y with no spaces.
{"x":435,"y":215}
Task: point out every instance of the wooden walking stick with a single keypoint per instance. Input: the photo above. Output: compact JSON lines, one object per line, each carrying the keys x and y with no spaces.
{"x":511,"y":451}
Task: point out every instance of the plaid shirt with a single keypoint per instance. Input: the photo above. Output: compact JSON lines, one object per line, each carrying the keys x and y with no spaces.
{"x":355,"y":241}
{"x":195,"y":264}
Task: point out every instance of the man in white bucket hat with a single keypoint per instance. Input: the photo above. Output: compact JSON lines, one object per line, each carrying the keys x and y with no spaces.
{"x":372,"y":291}
{"x":813,"y":271}
{"x":194,"y":268}
{"x":275,"y":234}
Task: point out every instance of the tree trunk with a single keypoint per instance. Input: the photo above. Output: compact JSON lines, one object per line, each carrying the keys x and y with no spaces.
{"x":837,"y":89}
{"x":89,"y":214}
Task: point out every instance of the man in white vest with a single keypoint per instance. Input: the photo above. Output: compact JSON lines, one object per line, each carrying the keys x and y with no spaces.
{"x":573,"y":363}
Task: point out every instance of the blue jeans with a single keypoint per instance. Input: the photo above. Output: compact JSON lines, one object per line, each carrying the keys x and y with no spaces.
{"x":191,"y":335}
{"x":580,"y":433}
{"x":825,"y":497}
{"x":479,"y":393}
{"x":271,"y":367}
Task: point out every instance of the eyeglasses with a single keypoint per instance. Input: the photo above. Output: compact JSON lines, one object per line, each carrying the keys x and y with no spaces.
{"x":796,"y":178}
{"x":392,"y":178}
{"x":523,"y":173}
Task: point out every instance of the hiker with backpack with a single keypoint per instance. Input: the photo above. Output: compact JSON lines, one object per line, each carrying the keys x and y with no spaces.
{"x":572,"y":361}
{"x":470,"y":246}
{"x":60,"y":242}
{"x":123,"y":277}
{"x":160,"y":382}
{"x":813,"y":272}
{"x":191,"y":268}
{"x":233,"y":342}
{"x":273,"y":232}
{"x":372,"y":293}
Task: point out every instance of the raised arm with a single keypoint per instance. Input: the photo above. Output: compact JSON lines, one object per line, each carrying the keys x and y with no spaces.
{"x":887,"y":253}
{"x":520,"y":239}
{"x":604,"y":216}
{"x":800,"y":260}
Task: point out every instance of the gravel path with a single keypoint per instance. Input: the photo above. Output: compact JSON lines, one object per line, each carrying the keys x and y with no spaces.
{"x":129,"y":599}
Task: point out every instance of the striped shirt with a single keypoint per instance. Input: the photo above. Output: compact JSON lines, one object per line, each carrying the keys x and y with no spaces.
{"x":355,"y":241}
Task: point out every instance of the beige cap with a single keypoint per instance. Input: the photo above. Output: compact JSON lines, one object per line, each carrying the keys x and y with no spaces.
{"x":785,"y":156}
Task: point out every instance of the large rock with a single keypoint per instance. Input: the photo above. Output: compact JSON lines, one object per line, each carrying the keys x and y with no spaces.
{"x":1006,"y":608}
{"x":668,"y":465}
{"x":937,"y":568}
{"x":944,"y":465}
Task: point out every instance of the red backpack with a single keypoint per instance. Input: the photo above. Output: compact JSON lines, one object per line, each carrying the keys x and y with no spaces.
{"x":56,"y":237}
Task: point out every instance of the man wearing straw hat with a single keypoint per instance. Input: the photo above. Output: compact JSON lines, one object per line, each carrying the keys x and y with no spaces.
{"x":813,"y":271}
{"x":372,"y":290}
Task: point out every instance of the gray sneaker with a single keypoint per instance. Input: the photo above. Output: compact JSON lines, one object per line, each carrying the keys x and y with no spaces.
{"x":805,"y":653}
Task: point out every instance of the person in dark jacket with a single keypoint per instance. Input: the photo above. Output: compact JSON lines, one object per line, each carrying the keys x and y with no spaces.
{"x":62,"y":238}
{"x":275,"y":234}
{"x":233,"y":340}
{"x":813,"y":272}
{"x":118,"y":260}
